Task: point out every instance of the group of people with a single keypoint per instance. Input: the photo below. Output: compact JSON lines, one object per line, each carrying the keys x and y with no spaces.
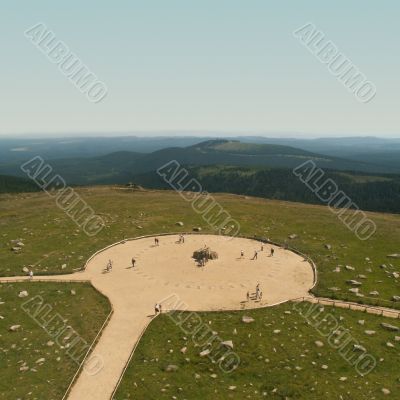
{"x":255,"y":256}
{"x":258,"y":294}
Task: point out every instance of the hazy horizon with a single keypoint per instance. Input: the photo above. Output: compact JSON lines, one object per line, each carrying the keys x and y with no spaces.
{"x":189,"y":133}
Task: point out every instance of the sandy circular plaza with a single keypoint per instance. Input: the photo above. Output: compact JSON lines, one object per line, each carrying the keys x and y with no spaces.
{"x":168,"y":269}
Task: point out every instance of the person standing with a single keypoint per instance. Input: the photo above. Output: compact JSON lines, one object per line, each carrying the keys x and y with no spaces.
{"x":272,"y":252}
{"x":133,"y":262}
{"x":30,"y":274}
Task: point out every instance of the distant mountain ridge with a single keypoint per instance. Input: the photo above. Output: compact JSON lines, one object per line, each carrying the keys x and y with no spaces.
{"x":122,"y":166}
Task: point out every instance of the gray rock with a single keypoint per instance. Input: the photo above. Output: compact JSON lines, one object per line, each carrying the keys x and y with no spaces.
{"x":396,"y":298}
{"x":328,"y":246}
{"x":227,"y":343}
{"x":205,"y":352}
{"x":396,"y":255}
{"x":390,"y":327}
{"x":292,"y":236}
{"x":358,"y":347}
{"x":23,"y":293}
{"x":370,"y":333}
{"x":354,"y":283}
{"x":197,"y":229}
{"x":14,"y":328}
{"x":171,"y":368}
{"x":179,"y":223}
{"x":374,"y":293}
{"x":247,"y":320}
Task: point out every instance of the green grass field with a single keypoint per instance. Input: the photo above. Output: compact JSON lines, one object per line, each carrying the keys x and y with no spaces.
{"x":284,"y":365}
{"x":54,"y":244}
{"x":279,"y":359}
{"x":33,"y":363}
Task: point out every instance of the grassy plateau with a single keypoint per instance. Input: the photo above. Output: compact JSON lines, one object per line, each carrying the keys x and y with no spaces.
{"x":281,"y":365}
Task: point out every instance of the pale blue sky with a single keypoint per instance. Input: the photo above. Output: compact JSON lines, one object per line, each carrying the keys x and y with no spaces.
{"x":207,"y":65}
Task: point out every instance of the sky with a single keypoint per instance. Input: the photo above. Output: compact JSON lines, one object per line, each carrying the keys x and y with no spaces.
{"x":189,"y":67}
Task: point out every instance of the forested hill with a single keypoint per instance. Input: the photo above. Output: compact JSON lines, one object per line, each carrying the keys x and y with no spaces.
{"x":369,"y":191}
{"x":12,"y":184}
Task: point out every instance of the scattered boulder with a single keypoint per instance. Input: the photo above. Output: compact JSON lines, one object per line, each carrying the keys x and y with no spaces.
{"x":23,"y":293}
{"x":247,"y":320}
{"x":396,"y":255}
{"x":318,"y":343}
{"x":25,"y":270}
{"x":292,"y":236}
{"x":374,"y":293}
{"x":197,"y":229}
{"x":370,"y":333}
{"x":227,"y":343}
{"x":358,"y":347}
{"x":14,"y":328}
{"x":328,"y":247}
{"x":179,"y":223}
{"x":171,"y":368}
{"x":390,"y":327}
{"x":354,"y":283}
{"x":396,"y":298}
{"x":205,"y":352}
{"x":349,"y":268}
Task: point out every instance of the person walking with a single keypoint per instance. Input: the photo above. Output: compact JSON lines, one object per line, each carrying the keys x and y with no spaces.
{"x":272,"y":252}
{"x":255,"y":255}
{"x":133,"y":262}
{"x":156,"y":309}
{"x":30,"y":274}
{"x":248,"y":296}
{"x":241,"y":254}
{"x":257,"y":291}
